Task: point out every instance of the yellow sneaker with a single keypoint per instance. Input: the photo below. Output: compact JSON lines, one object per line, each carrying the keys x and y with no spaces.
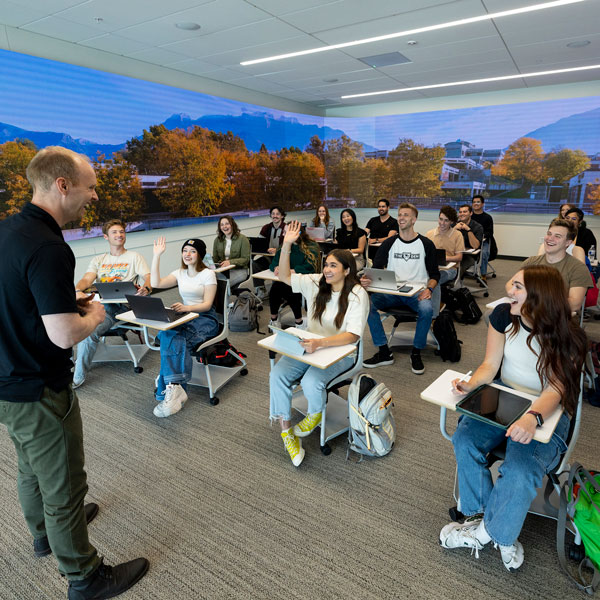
{"x":307,"y":425}
{"x":294,"y":447}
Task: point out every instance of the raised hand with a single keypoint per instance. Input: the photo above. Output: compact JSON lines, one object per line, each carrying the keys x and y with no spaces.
{"x":292,"y":232}
{"x":160,"y":245}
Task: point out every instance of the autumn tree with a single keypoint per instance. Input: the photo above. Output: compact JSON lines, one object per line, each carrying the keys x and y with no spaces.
{"x":249,"y":175}
{"x":415,"y":169}
{"x":142,"y":152}
{"x":369,"y":181}
{"x":317,"y":147}
{"x":228,"y":142}
{"x":343,"y":160}
{"x":522,"y":161}
{"x":562,"y":164}
{"x":14,"y":188}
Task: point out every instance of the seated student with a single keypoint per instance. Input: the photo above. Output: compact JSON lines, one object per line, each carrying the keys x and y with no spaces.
{"x":118,"y":264}
{"x":304,"y":258}
{"x":231,"y":247}
{"x":412,"y":258}
{"x":337,"y":309}
{"x":380,"y":228}
{"x":585,"y":238}
{"x":540,"y":350}
{"x":575,"y":274}
{"x":487,"y":222}
{"x":472,"y":233}
{"x":564,"y":208}
{"x":324,"y":221}
{"x":572,"y":249}
{"x":351,"y":237}
{"x":274,"y":232}
{"x":197,"y":287}
{"x":445,"y":237}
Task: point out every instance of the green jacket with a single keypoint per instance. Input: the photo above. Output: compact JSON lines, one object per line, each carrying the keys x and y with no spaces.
{"x":298,"y":261}
{"x":240,"y":250}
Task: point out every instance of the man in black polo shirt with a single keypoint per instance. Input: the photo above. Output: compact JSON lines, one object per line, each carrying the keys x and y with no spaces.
{"x":380,"y":228}
{"x":472,"y":233}
{"x":40,"y":321}
{"x":487,"y":222}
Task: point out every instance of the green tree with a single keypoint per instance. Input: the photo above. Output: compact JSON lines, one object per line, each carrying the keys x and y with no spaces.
{"x":14,"y":189}
{"x":343,"y":158}
{"x":228,"y":141}
{"x":522,"y":161}
{"x":370,"y":181}
{"x":316,"y":147}
{"x":563,"y":163}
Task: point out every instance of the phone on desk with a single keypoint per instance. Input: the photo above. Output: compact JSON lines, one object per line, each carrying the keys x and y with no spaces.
{"x":405,"y":288}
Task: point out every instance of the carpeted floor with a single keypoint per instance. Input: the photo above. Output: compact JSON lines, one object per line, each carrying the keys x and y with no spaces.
{"x":213,"y":501}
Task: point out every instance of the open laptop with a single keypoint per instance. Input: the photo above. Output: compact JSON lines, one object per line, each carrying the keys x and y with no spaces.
{"x":287,"y":342}
{"x":385,"y":280}
{"x":115,"y":290}
{"x":316,"y":233}
{"x":440,"y":255}
{"x":152,"y":309}
{"x":259,"y":244}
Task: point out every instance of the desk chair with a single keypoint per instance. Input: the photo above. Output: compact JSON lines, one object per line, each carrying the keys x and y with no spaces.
{"x":214,"y":377}
{"x":404,"y":314}
{"x":125,"y":352}
{"x":474,"y":271}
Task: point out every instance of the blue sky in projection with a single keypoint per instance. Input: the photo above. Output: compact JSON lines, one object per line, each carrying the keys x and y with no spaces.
{"x":43,"y":95}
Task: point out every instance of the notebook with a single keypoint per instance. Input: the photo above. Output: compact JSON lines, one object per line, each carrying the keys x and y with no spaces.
{"x":152,"y":309}
{"x":287,"y":342}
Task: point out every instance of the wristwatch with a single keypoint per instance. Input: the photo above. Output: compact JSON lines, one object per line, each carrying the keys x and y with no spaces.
{"x":538,"y":417}
{"x":430,"y":289}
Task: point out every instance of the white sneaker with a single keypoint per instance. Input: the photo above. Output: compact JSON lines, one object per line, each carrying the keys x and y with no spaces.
{"x":462,"y":535}
{"x":275,"y":323}
{"x":512,"y":556}
{"x":175,"y":398}
{"x":77,"y":383}
{"x":303,"y":325}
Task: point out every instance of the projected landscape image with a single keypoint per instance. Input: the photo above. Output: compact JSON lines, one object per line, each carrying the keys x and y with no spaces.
{"x":164,"y":154}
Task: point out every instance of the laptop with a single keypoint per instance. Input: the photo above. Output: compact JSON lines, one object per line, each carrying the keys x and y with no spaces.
{"x":316,"y":233}
{"x":287,"y":342}
{"x":385,"y":280}
{"x":152,"y":309}
{"x":259,"y":244}
{"x":440,"y":255}
{"x":327,"y":247}
{"x":493,"y":405}
{"x":115,"y":290}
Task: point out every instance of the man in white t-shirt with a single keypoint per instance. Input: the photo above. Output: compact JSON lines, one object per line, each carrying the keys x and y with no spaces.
{"x":412,"y":257}
{"x":118,"y":264}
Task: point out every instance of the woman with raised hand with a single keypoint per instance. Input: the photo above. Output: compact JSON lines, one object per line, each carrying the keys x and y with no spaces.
{"x":197,"y":287}
{"x":323,"y":220}
{"x":231,"y":247}
{"x":337,"y":309}
{"x":540,"y":350}
{"x":351,"y":237}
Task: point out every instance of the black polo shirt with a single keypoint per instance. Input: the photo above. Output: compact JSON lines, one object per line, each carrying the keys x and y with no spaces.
{"x":36,"y":278}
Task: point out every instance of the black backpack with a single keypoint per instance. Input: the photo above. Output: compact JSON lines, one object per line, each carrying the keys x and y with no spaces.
{"x":220,"y":354}
{"x":462,"y":301}
{"x":445,"y":334}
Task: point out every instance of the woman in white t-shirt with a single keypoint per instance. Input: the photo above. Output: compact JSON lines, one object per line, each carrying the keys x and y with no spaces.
{"x":338,"y":307}
{"x":540,"y":350}
{"x":197,"y":287}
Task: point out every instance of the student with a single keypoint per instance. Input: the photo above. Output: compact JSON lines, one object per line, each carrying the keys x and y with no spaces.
{"x":540,"y":350}
{"x":197,"y":287}
{"x":350,"y":237}
{"x":304,"y":258}
{"x":118,"y":264}
{"x":487,"y":222}
{"x":564,"y":208}
{"x":324,"y":221}
{"x":274,"y":232}
{"x":337,"y":309}
{"x":585,"y":238}
{"x":412,"y":258}
{"x":380,"y":228}
{"x":472,"y":233}
{"x":231,"y":247}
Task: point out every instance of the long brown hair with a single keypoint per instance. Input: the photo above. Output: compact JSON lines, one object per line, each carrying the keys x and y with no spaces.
{"x":317,"y":220}
{"x":305,"y":244}
{"x":345,"y":258}
{"x":562,"y":342}
{"x":235,"y":230}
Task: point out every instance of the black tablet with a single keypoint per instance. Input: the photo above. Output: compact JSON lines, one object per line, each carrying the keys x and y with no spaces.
{"x":493,"y":405}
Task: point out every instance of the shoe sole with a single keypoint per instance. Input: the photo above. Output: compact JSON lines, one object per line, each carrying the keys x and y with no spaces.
{"x":301,"y":455}
{"x":302,"y":434}
{"x":417,"y":371}
{"x":383,"y":363}
{"x":131,"y":584}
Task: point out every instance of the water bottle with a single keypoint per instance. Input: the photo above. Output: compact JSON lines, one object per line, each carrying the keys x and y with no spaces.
{"x":592,"y":254}
{"x":208,"y":261}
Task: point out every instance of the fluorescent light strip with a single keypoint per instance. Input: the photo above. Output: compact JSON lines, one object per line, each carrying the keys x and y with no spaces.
{"x":471,"y":81}
{"x":389,"y":36}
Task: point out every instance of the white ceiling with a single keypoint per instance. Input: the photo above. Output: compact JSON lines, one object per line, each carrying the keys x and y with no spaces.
{"x":236,"y":30}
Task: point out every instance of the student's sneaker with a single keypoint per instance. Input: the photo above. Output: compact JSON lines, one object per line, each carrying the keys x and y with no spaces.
{"x":307,"y":425}
{"x":303,"y":325}
{"x":275,"y":323}
{"x":175,"y":398}
{"x":380,"y":359}
{"x":462,"y":535}
{"x":416,"y":363}
{"x":77,"y":383}
{"x":294,"y":447}
{"x":512,"y":556}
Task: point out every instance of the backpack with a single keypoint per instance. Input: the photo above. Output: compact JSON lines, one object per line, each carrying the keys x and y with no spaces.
{"x":580,"y":501}
{"x":372,"y":429}
{"x":243,"y":315}
{"x":220,"y":354}
{"x":463,"y":301}
{"x":445,"y":334}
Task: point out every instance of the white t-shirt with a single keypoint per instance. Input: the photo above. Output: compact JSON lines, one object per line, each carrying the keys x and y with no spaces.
{"x":356,"y":313}
{"x":129,"y":266}
{"x":407,"y":260}
{"x":191,"y":289}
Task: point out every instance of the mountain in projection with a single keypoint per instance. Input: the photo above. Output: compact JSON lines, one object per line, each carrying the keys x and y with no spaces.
{"x":580,"y":131}
{"x":41,"y":139}
{"x":259,"y":128}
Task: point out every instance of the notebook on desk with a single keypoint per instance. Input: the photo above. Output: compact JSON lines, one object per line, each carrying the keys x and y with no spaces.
{"x":115,"y":290}
{"x":152,"y":309}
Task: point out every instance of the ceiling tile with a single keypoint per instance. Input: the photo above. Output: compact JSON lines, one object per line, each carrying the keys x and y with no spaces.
{"x":50,"y":6}
{"x":16,"y":15}
{"x":194,"y":66}
{"x":544,"y":53}
{"x":114,"y":43}
{"x":62,"y":29}
{"x":158,"y":56}
{"x":281,"y":7}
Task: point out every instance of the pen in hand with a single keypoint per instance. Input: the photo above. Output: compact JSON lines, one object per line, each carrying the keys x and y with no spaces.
{"x":463,"y":378}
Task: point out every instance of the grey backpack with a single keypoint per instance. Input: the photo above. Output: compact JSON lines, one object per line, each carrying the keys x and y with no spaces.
{"x":372,"y":430}
{"x":243,"y":315}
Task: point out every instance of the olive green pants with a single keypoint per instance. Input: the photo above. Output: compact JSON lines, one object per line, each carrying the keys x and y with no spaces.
{"x":51,"y":481}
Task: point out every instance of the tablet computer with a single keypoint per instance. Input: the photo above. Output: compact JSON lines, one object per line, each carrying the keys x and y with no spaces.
{"x":494,"y":405}
{"x":287,"y":341}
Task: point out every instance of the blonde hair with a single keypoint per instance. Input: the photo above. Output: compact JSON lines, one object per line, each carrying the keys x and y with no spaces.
{"x":51,"y":163}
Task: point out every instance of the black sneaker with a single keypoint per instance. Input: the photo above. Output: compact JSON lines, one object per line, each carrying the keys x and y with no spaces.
{"x":41,"y":547}
{"x":416,"y":363}
{"x":379,"y":359}
{"x":108,"y":582}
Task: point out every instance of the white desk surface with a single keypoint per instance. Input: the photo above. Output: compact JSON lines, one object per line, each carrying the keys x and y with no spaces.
{"x":447,"y":266}
{"x":440,"y":392}
{"x":223,"y":269}
{"x":503,"y":300}
{"x":267,"y":275}
{"x":416,"y":289}
{"x":322,"y":358}
{"x":129,"y":317}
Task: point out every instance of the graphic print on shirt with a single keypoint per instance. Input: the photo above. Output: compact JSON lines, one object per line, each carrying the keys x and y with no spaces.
{"x":406,"y":256}
{"x":110,"y":272}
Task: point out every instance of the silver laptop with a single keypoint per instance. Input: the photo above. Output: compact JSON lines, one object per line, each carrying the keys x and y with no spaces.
{"x":316,"y":233}
{"x":383,"y":279}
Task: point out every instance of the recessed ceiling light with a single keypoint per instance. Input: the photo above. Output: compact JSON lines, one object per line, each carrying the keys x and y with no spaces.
{"x":187,"y":26}
{"x":579,"y":44}
{"x":471,"y":81}
{"x":412,"y":43}
{"x":389,"y":36}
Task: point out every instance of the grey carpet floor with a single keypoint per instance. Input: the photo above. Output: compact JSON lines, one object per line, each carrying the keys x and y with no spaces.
{"x":211,"y":498}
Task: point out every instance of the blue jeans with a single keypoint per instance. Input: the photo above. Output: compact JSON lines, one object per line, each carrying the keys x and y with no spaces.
{"x":504,"y":504}
{"x":86,"y":349}
{"x":176,"y":346}
{"x":436,"y":297}
{"x":288,"y":371}
{"x":423,"y":308}
{"x":485,"y":256}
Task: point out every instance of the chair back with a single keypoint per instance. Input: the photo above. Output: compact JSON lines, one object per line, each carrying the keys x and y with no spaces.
{"x":221,"y":302}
